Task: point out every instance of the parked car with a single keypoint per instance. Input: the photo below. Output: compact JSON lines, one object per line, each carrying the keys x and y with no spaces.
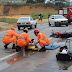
{"x":58,"y":20}
{"x":26,"y":22}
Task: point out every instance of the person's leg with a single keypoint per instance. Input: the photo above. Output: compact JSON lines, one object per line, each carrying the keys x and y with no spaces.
{"x":14,"y":40}
{"x":6,"y":46}
{"x":6,"y":42}
{"x":18,"y":48}
{"x":26,"y":48}
{"x":13,"y":46}
{"x":42,"y":44}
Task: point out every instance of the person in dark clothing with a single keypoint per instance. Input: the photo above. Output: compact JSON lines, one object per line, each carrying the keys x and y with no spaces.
{"x":40,"y":16}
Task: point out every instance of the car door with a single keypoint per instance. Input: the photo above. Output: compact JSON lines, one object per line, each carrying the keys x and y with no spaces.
{"x":32,"y":21}
{"x":51,"y":20}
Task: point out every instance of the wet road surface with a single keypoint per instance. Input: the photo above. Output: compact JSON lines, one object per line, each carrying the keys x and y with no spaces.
{"x":34,"y":61}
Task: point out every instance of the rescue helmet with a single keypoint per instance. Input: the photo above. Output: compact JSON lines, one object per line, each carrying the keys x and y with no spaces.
{"x":12,"y":28}
{"x":36,"y":30}
{"x":25,"y":30}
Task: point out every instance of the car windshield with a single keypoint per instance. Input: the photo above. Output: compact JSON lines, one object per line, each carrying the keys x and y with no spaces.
{"x":23,"y":19}
{"x":59,"y":17}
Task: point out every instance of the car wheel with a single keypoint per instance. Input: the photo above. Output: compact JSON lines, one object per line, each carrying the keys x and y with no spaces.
{"x":49,"y":24}
{"x":18,"y":28}
{"x":57,"y":56}
{"x":66,"y":24}
{"x":55,"y":24}
{"x":59,"y":25}
{"x":32,"y":26}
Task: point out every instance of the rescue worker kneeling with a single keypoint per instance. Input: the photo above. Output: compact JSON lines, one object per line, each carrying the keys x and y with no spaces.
{"x":8,"y":38}
{"x":42,"y":40}
{"x":23,"y":40}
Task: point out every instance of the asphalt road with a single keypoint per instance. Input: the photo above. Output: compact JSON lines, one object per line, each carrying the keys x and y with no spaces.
{"x":35,"y":61}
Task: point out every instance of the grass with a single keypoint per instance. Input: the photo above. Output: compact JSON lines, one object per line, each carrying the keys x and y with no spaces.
{"x":1,"y":28}
{"x":44,"y":14}
{"x":8,"y":20}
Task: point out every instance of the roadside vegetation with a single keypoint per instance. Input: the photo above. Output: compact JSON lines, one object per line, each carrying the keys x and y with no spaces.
{"x":44,"y":14}
{"x":8,"y":20}
{"x":7,"y":23}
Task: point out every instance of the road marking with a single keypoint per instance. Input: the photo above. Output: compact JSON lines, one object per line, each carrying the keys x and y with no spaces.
{"x":8,"y":56}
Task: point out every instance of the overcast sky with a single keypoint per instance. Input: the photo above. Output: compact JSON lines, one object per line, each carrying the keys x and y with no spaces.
{"x":70,"y":0}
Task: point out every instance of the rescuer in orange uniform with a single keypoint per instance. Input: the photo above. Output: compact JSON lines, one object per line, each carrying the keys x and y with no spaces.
{"x":8,"y":38}
{"x":23,"y":40}
{"x":42,"y":40}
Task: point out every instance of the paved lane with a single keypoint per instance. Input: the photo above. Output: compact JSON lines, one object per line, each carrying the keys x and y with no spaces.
{"x":37,"y":61}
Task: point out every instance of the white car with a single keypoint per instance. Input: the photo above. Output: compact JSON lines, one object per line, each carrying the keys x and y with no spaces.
{"x":58,"y":20}
{"x":26,"y":22}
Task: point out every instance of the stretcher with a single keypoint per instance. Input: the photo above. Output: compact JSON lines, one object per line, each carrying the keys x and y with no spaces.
{"x":33,"y":48}
{"x":50,"y":47}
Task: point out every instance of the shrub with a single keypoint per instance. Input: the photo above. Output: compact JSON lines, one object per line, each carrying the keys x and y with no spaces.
{"x":8,"y":20}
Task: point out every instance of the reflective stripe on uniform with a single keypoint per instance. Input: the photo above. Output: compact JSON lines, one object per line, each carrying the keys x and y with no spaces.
{"x":14,"y":41}
{"x":46,"y":43}
{"x":41,"y":44}
{"x":8,"y":36}
{"x":39,"y":36}
{"x":26,"y":43}
{"x":22,"y":38}
{"x":44,"y":38}
{"x":9,"y":40}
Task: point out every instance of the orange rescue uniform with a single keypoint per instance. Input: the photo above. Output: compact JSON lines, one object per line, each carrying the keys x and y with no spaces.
{"x":8,"y":37}
{"x":23,"y":40}
{"x":42,"y":40}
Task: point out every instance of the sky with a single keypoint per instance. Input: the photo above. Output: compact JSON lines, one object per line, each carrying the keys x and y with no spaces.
{"x":70,"y":0}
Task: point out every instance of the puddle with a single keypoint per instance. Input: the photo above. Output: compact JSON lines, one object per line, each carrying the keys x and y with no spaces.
{"x":15,"y":58}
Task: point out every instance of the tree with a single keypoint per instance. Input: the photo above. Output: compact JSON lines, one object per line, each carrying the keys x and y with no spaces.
{"x":35,"y":1}
{"x":61,"y":3}
{"x":40,"y":1}
{"x":31,"y":1}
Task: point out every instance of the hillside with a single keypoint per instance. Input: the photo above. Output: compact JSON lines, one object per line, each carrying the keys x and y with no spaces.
{"x":24,"y":9}
{"x":21,"y":11}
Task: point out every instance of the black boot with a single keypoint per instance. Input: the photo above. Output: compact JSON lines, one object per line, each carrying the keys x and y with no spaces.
{"x":18,"y":48}
{"x":13,"y":47}
{"x":26,"y":48}
{"x":6,"y":46}
{"x":42,"y":49}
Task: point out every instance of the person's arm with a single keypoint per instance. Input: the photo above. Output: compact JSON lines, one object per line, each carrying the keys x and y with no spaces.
{"x":15,"y":34}
{"x":39,"y":38}
{"x":28,"y":39}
